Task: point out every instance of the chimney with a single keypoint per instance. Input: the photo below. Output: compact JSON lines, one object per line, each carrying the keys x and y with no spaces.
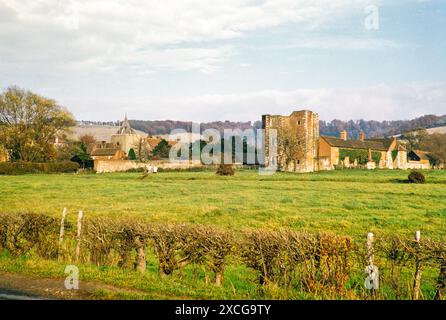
{"x":343,"y":135}
{"x":361,"y":136}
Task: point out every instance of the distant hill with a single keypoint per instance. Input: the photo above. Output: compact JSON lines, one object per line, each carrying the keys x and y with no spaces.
{"x":371,"y":128}
{"x":163,"y":127}
{"x":437,"y":130}
{"x":380,"y":128}
{"x":98,"y":131}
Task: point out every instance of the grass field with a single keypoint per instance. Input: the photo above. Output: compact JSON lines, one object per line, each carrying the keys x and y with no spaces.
{"x":345,"y":202}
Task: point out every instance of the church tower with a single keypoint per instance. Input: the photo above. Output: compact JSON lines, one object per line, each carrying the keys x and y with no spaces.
{"x":126,"y":138}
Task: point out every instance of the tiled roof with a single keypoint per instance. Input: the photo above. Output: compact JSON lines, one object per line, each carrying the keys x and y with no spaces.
{"x":104,"y":152}
{"x":373,"y":144}
{"x":423,"y":155}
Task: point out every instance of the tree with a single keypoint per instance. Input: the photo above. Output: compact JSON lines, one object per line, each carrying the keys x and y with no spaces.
{"x":287,"y":147}
{"x":162,"y":149}
{"x":435,"y":144}
{"x":132,"y":154}
{"x":414,"y":138}
{"x":82,"y":154}
{"x":29,"y":123}
{"x":88,"y":140}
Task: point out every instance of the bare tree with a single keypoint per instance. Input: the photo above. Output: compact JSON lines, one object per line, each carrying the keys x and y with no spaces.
{"x":288,"y":147}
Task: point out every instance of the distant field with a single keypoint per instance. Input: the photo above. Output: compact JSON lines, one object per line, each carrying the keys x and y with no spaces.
{"x":349,"y":202}
{"x":437,"y":130}
{"x":101,"y":133}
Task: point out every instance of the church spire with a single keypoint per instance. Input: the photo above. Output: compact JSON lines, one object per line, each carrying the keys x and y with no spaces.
{"x":125,"y":127}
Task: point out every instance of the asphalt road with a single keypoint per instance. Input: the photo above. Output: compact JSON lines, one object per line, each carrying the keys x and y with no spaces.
{"x":8,"y":294}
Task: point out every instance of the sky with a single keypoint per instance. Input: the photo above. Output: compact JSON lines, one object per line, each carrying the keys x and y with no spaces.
{"x":210,"y":60}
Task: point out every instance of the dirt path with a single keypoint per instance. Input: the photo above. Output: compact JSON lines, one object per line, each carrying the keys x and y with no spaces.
{"x":17,"y":286}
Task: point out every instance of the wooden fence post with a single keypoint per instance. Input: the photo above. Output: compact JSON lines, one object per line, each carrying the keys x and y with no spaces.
{"x":441,"y":282}
{"x":140,"y":255}
{"x":78,"y":238}
{"x":372,"y":279}
{"x":62,"y":231}
{"x":417,"y":278}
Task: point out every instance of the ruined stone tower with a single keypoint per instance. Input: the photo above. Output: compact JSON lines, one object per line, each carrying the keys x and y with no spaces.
{"x":301,"y":131}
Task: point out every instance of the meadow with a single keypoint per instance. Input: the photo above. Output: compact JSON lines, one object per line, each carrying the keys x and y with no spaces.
{"x":345,"y":202}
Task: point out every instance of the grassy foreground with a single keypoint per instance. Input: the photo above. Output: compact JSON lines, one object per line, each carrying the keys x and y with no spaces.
{"x":348,"y":202}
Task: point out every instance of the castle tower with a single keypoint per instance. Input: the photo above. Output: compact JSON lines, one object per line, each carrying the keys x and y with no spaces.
{"x":302,"y":129}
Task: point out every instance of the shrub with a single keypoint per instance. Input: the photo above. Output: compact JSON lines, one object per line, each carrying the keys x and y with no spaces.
{"x":225,"y":170}
{"x":164,"y":238}
{"x":21,"y":232}
{"x":261,"y":251}
{"x":205,"y":245}
{"x":132,"y":154}
{"x":320,"y":261}
{"x":17,"y":168}
{"x":416,"y":177}
{"x":99,"y":238}
{"x":60,"y":167}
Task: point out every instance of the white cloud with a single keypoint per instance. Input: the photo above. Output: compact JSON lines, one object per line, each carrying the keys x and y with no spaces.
{"x":381,"y":102}
{"x":115,"y":33}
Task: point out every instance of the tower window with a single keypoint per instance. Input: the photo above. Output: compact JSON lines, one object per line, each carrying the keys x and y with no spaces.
{"x":298,"y":122}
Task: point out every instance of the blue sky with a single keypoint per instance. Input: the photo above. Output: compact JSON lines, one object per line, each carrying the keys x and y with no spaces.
{"x":207,"y":60}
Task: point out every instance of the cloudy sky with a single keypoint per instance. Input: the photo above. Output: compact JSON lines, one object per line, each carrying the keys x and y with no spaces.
{"x":233,"y":60}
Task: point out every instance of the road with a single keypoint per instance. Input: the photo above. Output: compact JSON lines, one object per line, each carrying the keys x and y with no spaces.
{"x":8,"y":294}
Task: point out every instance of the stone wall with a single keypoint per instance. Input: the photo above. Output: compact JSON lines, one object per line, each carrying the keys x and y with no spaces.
{"x":423,"y":165}
{"x":103,"y":166}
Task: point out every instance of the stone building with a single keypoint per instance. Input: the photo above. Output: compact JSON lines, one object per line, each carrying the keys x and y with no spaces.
{"x":107,"y":151}
{"x":126,"y":138}
{"x":385,"y":153}
{"x":307,"y":151}
{"x":304,"y":126}
{"x":417,"y":159}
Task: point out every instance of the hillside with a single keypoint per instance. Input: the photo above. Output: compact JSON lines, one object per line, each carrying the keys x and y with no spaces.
{"x":103,"y":130}
{"x":100,"y":132}
{"x":437,"y":130}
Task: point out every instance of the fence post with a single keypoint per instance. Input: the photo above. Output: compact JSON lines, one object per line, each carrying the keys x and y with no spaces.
{"x":441,"y":282}
{"x":372,"y":279}
{"x":140,"y":255}
{"x":417,"y":278}
{"x":62,"y":231}
{"x":78,"y":238}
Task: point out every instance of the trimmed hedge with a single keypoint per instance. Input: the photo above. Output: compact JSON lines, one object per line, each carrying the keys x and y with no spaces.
{"x":323,"y":264}
{"x":17,"y":168}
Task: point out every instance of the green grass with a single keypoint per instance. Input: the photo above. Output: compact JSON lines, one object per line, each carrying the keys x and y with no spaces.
{"x":346,"y":202}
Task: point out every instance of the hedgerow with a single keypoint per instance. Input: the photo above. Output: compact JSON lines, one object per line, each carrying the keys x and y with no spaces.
{"x":317,"y":263}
